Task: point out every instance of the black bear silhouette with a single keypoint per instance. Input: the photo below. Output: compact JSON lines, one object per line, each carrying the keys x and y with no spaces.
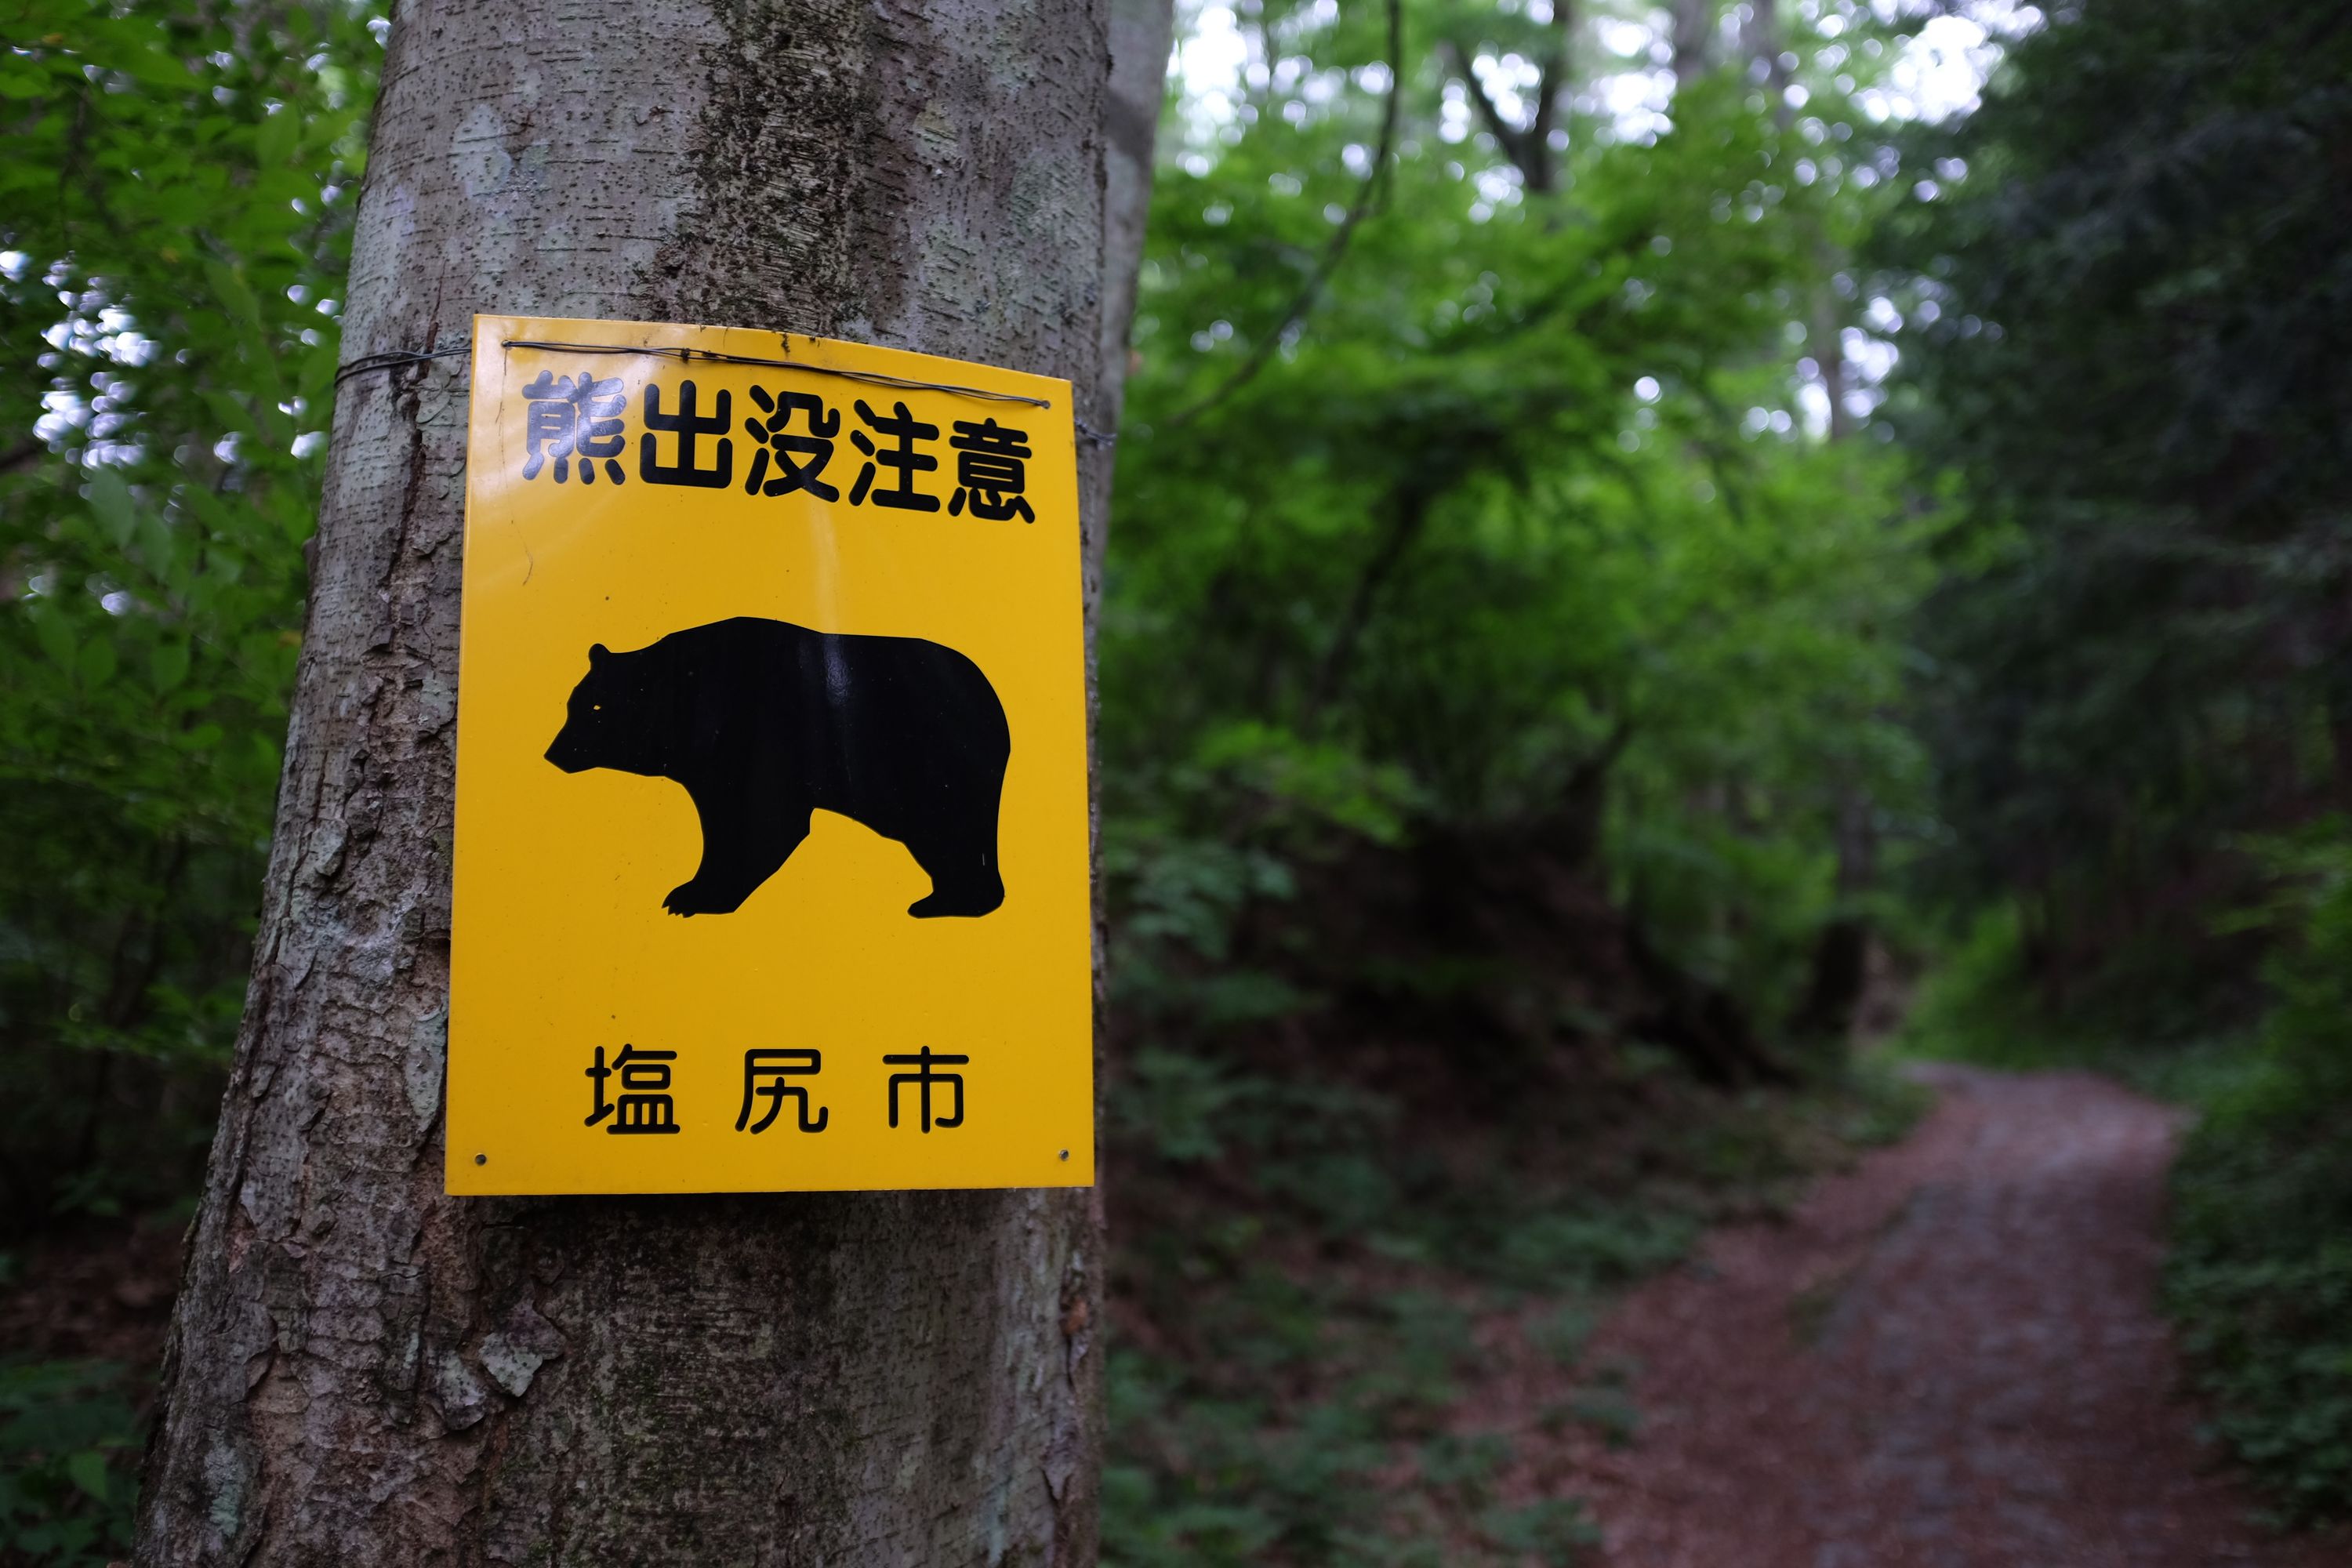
{"x":764,"y":721}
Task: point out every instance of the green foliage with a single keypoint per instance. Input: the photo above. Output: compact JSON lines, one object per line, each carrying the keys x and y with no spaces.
{"x":2261,"y":1275}
{"x":1497,"y":539}
{"x":2260,"y":1282}
{"x":1219,"y":1472}
{"x":1980,"y":1005}
{"x":1512,"y":526}
{"x":1311,"y":1287}
{"x":174,"y":223}
{"x":2126,"y":333}
{"x":1484,"y":539}
{"x":2129,"y":338}
{"x":68,"y":1459}
{"x":1873,"y":1104}
{"x":1555,"y":1531}
{"x":1608,"y":1410}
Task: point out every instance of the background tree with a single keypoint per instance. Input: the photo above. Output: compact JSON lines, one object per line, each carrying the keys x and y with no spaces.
{"x":2126,"y":297}
{"x":1516,"y":525}
{"x":174,"y":216}
{"x":363,"y":1368}
{"x":1493,"y":638}
{"x":2126,"y":330}
{"x":1539,"y":638}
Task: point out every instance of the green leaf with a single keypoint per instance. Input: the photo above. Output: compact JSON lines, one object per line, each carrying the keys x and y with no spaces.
{"x":230,"y":288}
{"x":86,"y":1470}
{"x":54,"y":633}
{"x":276,"y":142}
{"x":229,"y":410}
{"x":97,"y":662}
{"x":159,"y":549}
{"x":168,"y":664}
{"x":157,"y":69}
{"x":110,"y":498}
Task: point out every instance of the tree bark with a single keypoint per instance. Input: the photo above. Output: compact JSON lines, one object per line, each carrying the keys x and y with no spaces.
{"x":1140,"y":34}
{"x":363,"y":1371}
{"x":1693,"y":37}
{"x":1840,"y":970}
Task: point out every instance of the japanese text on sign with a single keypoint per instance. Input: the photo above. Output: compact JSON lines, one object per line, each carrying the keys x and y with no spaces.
{"x":688,"y":440}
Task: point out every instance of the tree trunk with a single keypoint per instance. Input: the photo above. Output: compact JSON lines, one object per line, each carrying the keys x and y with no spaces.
{"x":363,"y":1371}
{"x":1840,"y":970}
{"x":1693,"y":37}
{"x":1140,"y":33}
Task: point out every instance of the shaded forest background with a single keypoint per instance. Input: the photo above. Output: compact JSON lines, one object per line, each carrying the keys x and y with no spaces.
{"x":1652,"y":545}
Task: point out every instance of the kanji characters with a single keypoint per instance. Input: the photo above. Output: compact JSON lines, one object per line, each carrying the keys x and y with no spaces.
{"x":567,"y":419}
{"x":688,"y":424}
{"x":905,"y":429}
{"x":992,"y":472}
{"x":800,"y":458}
{"x":793,"y":435}
{"x":769,"y":1072}
{"x":771,"y":1075}
{"x":924,"y":1061}
{"x":645,"y":1104}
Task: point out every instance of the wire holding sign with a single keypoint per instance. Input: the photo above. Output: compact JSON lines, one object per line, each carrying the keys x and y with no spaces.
{"x":389,"y":359}
{"x":820,"y":656}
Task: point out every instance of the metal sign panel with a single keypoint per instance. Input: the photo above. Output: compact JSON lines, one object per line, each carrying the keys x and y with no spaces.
{"x":771,"y":818}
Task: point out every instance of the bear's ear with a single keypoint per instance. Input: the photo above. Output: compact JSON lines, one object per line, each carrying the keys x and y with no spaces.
{"x":598,"y":654}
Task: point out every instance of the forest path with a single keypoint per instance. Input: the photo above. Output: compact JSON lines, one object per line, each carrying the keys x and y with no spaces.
{"x":1949,"y":1358}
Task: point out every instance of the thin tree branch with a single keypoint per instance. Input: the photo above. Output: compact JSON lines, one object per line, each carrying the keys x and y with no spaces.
{"x":1510,"y":136}
{"x":1412,"y":513}
{"x":1539,"y":166}
{"x":1528,"y":150}
{"x":1411,"y":506}
{"x":1367,"y":197}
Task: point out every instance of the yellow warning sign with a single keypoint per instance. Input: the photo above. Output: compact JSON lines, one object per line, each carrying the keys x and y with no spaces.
{"x":771,"y":818}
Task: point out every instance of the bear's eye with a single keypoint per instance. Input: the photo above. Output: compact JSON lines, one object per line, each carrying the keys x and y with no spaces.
{"x":595,"y":708}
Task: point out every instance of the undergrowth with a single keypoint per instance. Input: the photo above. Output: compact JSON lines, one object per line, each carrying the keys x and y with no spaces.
{"x":2260,"y":1282}
{"x":68,"y":1461}
{"x":2261,"y":1274}
{"x":1305,"y":1273}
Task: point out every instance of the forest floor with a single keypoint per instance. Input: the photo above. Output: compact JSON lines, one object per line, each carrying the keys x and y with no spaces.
{"x":1946,"y":1355}
{"x":1949,"y":1356}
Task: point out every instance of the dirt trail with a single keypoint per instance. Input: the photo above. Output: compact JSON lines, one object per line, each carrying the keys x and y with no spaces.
{"x":1949,"y":1359}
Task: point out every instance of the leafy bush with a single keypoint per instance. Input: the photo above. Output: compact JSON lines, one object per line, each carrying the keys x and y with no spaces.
{"x":2261,"y":1282}
{"x":67,"y":1454}
{"x":174,"y":213}
{"x":2261,"y":1275}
